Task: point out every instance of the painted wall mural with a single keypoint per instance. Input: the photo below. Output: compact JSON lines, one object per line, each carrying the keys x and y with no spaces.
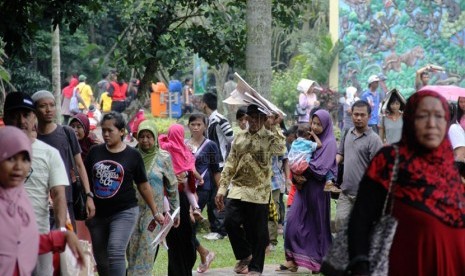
{"x":397,"y":37}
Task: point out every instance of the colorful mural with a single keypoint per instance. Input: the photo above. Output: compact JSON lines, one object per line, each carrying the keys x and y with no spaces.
{"x":397,"y":37}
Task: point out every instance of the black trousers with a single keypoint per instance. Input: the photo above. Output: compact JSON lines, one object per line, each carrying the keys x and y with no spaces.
{"x":247,"y":227}
{"x":118,"y":106}
{"x":181,"y":252}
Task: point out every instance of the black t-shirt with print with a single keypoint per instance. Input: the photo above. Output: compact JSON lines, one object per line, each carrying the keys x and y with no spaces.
{"x":111,"y":178}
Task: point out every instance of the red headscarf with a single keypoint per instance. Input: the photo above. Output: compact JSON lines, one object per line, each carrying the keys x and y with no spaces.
{"x":427,"y":179}
{"x":68,"y":90}
{"x":89,"y":138}
{"x":182,"y":158}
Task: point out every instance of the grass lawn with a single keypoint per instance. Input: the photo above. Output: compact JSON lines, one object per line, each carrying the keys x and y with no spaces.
{"x":224,"y":254}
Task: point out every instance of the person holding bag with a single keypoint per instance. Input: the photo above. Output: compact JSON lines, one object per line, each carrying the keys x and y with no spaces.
{"x":428,"y":198}
{"x":21,"y":242}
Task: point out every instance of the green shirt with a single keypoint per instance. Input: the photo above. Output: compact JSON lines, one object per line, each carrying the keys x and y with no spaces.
{"x":248,"y":166}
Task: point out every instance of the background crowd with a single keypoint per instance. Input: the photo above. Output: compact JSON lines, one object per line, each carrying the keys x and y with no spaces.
{"x":240,"y":177}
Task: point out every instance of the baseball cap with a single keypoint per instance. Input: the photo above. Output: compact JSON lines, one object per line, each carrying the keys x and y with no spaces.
{"x":15,"y":100}
{"x":13,"y":141}
{"x":372,"y":79}
{"x":82,"y":77}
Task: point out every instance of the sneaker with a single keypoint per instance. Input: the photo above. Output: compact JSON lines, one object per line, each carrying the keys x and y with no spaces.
{"x":243,"y":265}
{"x":214,"y":236}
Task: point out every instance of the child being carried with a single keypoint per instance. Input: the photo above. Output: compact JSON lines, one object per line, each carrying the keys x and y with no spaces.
{"x":301,"y":153}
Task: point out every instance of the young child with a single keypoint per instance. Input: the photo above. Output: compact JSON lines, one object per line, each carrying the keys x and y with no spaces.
{"x":183,"y":162}
{"x":301,"y":153}
{"x":302,"y":149}
{"x":241,"y":118}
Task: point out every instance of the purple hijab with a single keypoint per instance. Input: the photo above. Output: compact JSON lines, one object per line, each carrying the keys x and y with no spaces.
{"x":324,"y":158}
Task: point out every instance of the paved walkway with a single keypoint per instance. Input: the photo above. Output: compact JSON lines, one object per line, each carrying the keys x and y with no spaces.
{"x":268,"y":271}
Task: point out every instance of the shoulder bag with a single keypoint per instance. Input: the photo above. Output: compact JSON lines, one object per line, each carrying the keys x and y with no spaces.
{"x":79,"y":193}
{"x":337,"y":259}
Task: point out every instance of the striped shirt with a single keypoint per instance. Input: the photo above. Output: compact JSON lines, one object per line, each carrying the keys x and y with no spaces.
{"x":220,"y":131}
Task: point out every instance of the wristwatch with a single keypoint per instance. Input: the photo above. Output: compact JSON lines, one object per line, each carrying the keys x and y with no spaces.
{"x":90,"y":194}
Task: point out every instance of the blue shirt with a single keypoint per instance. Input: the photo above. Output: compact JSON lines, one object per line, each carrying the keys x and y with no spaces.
{"x":206,"y":163}
{"x":374,"y":101}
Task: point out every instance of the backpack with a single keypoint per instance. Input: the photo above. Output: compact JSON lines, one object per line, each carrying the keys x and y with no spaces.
{"x":74,"y":103}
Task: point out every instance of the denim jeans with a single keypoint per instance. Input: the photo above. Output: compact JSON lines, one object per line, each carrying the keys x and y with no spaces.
{"x":110,"y":237}
{"x":215,"y":217}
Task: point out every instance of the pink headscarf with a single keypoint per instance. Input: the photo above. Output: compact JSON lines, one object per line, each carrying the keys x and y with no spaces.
{"x":16,"y":214}
{"x":182,"y":158}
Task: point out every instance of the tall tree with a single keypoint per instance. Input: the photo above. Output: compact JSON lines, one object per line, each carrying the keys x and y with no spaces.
{"x":56,"y":69}
{"x":258,"y":50}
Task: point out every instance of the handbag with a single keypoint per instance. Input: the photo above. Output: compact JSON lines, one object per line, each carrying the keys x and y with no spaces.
{"x":299,"y":111}
{"x":78,"y":191}
{"x":336,"y":261}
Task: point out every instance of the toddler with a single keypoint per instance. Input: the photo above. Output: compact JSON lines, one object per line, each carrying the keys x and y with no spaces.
{"x":183,"y":163}
{"x":301,"y":153}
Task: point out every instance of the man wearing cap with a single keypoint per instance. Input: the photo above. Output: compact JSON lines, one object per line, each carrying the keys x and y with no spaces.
{"x":373,"y":98}
{"x":248,"y":173}
{"x":85,"y":91}
{"x":63,"y":138}
{"x":48,"y":174}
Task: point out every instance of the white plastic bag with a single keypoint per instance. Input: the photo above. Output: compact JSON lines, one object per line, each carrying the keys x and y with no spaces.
{"x":69,"y":265}
{"x":74,"y":103}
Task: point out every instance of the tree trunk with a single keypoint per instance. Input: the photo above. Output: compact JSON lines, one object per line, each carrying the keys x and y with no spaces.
{"x":56,"y":78}
{"x":151,"y":67}
{"x":221,"y":73}
{"x":258,"y":49}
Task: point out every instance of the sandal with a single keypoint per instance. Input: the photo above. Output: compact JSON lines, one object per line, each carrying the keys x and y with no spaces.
{"x":286,"y":268}
{"x":203,"y":267}
{"x":197,"y":213}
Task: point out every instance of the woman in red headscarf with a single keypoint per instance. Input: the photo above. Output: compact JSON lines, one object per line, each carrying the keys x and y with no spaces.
{"x":429,"y":198}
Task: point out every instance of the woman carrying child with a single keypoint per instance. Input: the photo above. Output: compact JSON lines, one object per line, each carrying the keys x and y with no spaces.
{"x":183,"y":163}
{"x":308,"y":234}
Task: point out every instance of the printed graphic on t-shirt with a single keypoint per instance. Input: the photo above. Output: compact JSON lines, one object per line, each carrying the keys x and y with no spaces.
{"x":108,"y":176}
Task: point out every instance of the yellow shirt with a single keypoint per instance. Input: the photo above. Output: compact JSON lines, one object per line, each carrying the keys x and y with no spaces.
{"x":86,"y":94}
{"x":248,"y":166}
{"x":105,"y":102}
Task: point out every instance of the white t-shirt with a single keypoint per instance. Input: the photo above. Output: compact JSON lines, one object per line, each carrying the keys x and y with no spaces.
{"x":457,"y":136}
{"x":48,"y":171}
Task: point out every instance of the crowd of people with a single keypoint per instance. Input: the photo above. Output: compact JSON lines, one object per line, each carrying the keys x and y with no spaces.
{"x":241,"y":177}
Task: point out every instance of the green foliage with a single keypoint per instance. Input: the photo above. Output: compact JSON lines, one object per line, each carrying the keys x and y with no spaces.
{"x":162,"y":123}
{"x":28,"y":80}
{"x":320,"y":55}
{"x":283,"y":89}
{"x":22,"y":19}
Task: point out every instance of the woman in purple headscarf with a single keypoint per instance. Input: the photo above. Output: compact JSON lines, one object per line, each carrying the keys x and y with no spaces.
{"x":308,"y":233}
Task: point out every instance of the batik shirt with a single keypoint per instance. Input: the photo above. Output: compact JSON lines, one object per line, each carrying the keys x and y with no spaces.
{"x":248,"y":167}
